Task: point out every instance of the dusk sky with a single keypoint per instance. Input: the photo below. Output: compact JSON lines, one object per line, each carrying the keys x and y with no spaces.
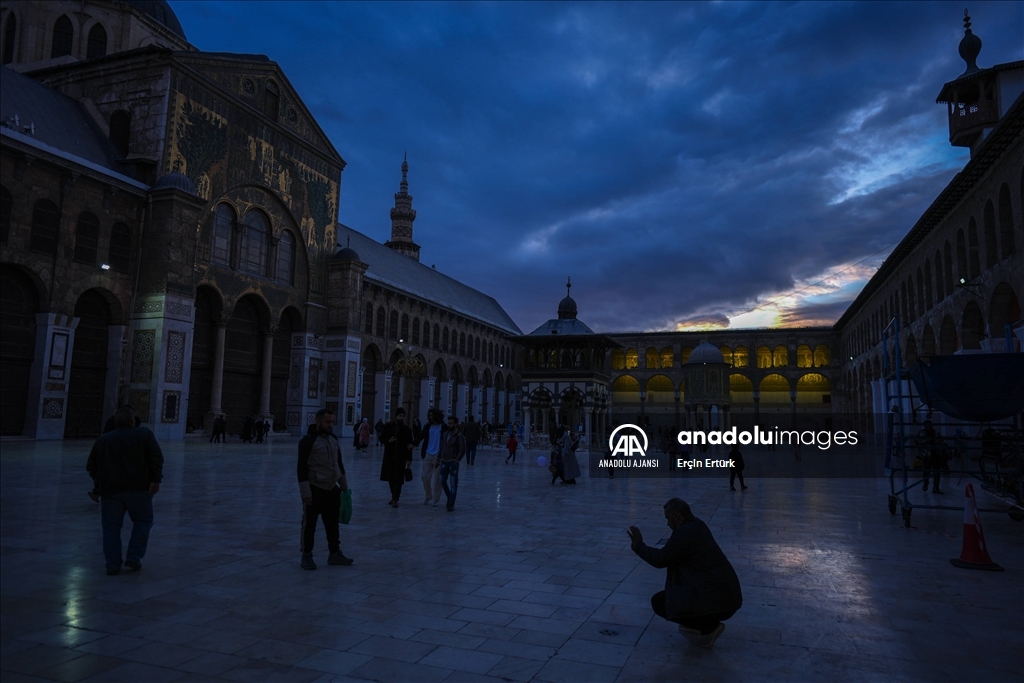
{"x":689,"y":165}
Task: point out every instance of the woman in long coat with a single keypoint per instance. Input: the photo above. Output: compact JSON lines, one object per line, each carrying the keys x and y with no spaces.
{"x":363,"y":437}
{"x":571,"y":466}
{"x":397,"y":439}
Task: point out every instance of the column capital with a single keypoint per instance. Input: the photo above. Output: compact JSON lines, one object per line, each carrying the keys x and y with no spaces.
{"x":221,"y":319}
{"x":269,"y":330}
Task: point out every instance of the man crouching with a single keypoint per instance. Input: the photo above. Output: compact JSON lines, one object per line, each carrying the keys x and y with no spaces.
{"x":701,"y":588}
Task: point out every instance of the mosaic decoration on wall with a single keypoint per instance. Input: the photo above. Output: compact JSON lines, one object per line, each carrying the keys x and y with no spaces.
{"x":183,"y":310}
{"x":293,"y":419}
{"x":53,"y":408}
{"x":333,"y":377}
{"x":175,"y":358}
{"x":58,"y":355}
{"x":296,"y":373}
{"x":202,"y":140}
{"x":310,"y":418}
{"x":172,"y":406}
{"x":313,"y":389}
{"x":142,"y":357}
{"x":350,"y":380}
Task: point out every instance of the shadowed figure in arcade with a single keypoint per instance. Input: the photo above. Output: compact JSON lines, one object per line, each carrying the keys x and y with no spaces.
{"x":396,"y":467}
{"x":701,"y":587}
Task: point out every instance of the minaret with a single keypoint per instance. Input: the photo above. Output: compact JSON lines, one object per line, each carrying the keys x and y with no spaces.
{"x":402,"y":217}
{"x":979,"y":97}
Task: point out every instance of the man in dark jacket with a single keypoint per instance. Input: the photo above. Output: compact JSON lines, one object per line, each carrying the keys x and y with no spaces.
{"x":321,"y":476}
{"x":126,"y":466}
{"x":701,"y":588}
{"x":471,"y":432}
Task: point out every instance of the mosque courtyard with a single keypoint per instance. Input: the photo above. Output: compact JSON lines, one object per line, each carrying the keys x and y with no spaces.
{"x":524,"y":581}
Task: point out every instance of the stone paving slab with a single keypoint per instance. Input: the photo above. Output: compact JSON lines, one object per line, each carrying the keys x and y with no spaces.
{"x":524,"y":581}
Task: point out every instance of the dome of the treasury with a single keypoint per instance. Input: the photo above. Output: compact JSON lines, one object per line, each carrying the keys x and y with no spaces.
{"x":705,"y":353}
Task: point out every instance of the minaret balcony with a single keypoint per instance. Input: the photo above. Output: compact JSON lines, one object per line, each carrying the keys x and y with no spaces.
{"x":967,"y":121}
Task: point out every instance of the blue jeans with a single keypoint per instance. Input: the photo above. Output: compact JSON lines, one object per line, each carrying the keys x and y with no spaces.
{"x":471,"y":452}
{"x":450,"y":469}
{"x":139,"y":506}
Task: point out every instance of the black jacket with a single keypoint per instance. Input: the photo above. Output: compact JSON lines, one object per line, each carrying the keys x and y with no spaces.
{"x":700,"y":578}
{"x":126,"y":459}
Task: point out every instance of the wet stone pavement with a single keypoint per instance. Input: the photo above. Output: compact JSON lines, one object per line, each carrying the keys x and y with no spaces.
{"x":524,"y":581}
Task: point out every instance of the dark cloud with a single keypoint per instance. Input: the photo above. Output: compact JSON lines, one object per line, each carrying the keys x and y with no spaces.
{"x":678,"y":160}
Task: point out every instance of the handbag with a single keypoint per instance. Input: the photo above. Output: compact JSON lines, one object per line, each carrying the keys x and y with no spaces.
{"x":408,"y":474}
{"x":345,"y":511}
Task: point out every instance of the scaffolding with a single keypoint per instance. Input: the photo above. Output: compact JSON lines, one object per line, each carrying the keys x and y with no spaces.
{"x":985,"y":447}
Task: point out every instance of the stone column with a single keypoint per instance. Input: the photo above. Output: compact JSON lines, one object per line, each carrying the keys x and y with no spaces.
{"x":588,"y":426}
{"x":50,"y":376}
{"x":268,"y":357}
{"x":217,"y":382}
{"x":446,"y":398}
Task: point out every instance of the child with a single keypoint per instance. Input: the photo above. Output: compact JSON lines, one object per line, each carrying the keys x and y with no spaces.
{"x":511,"y":445}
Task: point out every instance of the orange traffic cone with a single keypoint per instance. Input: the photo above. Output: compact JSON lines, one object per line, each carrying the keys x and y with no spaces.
{"x":974,"y":554}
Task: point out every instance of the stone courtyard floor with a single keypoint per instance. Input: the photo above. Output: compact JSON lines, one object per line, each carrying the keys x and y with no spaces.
{"x":523,"y":582}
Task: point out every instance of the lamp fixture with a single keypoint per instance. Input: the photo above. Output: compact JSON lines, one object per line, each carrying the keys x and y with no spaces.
{"x":105,"y":266}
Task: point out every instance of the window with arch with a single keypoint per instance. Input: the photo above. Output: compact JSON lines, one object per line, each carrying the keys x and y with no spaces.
{"x":6,"y":206}
{"x":87,"y":238}
{"x":120,"y":256}
{"x":780,"y":356}
{"x":286,"y":259}
{"x":63,"y":37}
{"x":764,"y":357}
{"x":271,"y":100}
{"x":223,"y":230}
{"x":45,"y":226}
{"x":437,"y":337}
{"x":381,"y":322}
{"x":822,"y":356}
{"x":404,"y":334}
{"x":911,"y":308}
{"x":632,"y":359}
{"x":928,"y":284}
{"x":444,"y":341}
{"x":462,"y":344}
{"x":416,"y":331}
{"x":97,"y":45}
{"x":10,"y":34}
{"x":476,"y":349}
{"x":1006,"y":220}
{"x":393,"y":325}
{"x":255,"y":236}
{"x":920,"y":291}
{"x":490,"y":353}
{"x":804,"y":356}
{"x":120,"y":131}
{"x":740,"y":357}
{"x":947,"y":269}
{"x":991,"y":248}
{"x":961,"y":255}
{"x":652,"y":359}
{"x":368,"y":320}
{"x":972,"y":249}
{"x":667,"y":357}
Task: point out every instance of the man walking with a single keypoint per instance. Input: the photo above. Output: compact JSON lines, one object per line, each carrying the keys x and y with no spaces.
{"x":430,"y":453}
{"x":471,"y":432}
{"x":126,"y":466}
{"x":397,"y":439}
{"x":701,"y":587}
{"x":453,"y":448}
{"x":321,"y":476}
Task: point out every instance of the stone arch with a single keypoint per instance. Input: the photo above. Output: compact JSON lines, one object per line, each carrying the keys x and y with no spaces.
{"x":989,"y":228}
{"x":928,"y":347}
{"x":439,"y":371}
{"x":1003,"y":310}
{"x":99,"y":283}
{"x":288,"y":323}
{"x":19,"y":303}
{"x":822,"y":356}
{"x":667,"y":357}
{"x":652,"y":360}
{"x":660,"y":390}
{"x":741,"y":389}
{"x":740,"y":357}
{"x":55,"y":45}
{"x":632,"y":359}
{"x":726,"y":354}
{"x":774,"y":389}
{"x":87,"y":384}
{"x":684,"y":355}
{"x":764,"y":357}
{"x":243,"y":358}
{"x":618,"y":359}
{"x":813,"y":388}
{"x":804,"y":356}
{"x":972,"y":326}
{"x":1006,"y":240}
{"x":780,"y":357}
{"x":909,"y":351}
{"x":207,"y":316}
{"x":373,"y":362}
{"x":948,"y":342}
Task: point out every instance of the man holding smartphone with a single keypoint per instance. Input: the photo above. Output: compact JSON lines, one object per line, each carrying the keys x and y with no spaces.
{"x":701,"y":588}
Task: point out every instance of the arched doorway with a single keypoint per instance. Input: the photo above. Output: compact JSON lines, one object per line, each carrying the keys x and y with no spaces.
{"x":243,"y":362}
{"x":372,"y":364}
{"x":19,"y":303}
{"x":972,"y":326}
{"x":570,"y":412}
{"x":204,"y":349}
{"x":84,"y":415}
{"x":1003,"y":310}
{"x":280,"y":362}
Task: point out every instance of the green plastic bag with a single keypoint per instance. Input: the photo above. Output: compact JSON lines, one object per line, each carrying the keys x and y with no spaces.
{"x":345,"y":512}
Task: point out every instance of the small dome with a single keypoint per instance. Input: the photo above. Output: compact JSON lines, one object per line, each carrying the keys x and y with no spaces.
{"x":346,"y":253}
{"x":175,"y":181}
{"x":970,"y":47}
{"x":567,"y":308}
{"x":705,"y":353}
{"x":161,"y":12}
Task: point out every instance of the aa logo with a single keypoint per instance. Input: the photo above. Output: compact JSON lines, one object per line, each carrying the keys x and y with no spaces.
{"x":626,"y":440}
